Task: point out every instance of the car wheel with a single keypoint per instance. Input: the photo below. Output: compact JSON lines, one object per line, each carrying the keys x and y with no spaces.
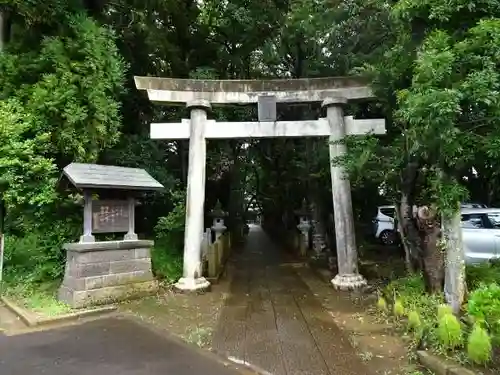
{"x":388,"y":237}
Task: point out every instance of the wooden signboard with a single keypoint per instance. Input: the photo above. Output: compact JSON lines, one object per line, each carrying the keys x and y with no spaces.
{"x":110,"y":216}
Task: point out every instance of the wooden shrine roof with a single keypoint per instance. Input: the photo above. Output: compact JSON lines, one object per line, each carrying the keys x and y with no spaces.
{"x":96,"y":176}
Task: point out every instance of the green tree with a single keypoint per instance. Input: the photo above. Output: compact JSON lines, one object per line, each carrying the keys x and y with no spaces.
{"x":26,"y":175}
{"x":62,"y":77}
{"x":437,"y":85}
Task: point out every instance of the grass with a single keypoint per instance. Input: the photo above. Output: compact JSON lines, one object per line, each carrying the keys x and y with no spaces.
{"x":199,"y":336}
{"x":40,"y":299}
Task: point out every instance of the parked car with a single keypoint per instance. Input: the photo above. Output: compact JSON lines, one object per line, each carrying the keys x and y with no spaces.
{"x":481,"y":234}
{"x":384,"y":227}
{"x":480,"y":231}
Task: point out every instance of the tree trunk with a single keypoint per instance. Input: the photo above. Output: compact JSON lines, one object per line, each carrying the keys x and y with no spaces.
{"x":404,"y":239}
{"x":5,"y":28}
{"x":2,"y":30}
{"x":455,"y":284}
{"x":408,"y":224}
{"x":432,"y":252}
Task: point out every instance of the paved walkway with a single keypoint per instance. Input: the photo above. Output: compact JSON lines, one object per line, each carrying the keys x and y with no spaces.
{"x":272,"y":321}
{"x":108,"y":346}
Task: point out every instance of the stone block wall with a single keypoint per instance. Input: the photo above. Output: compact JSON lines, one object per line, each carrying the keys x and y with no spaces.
{"x":103,"y":272}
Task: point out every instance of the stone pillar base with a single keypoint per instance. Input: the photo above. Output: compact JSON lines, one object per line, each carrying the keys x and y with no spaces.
{"x":348,"y":282}
{"x":191,"y":285}
{"x":130,"y":237}
{"x":105,"y":272}
{"x":87,"y":238}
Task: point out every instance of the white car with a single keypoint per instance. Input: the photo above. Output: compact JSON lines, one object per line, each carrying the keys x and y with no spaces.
{"x":481,"y":234}
{"x":480,"y":231}
{"x":384,"y":225}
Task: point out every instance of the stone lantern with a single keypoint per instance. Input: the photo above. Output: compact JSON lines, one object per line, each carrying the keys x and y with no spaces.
{"x":218,"y":215}
{"x":304,"y":226}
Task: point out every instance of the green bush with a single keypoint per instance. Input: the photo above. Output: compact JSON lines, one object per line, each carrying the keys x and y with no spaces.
{"x":435,"y":327}
{"x":484,"y":306}
{"x":414,"y":323}
{"x":449,"y":331}
{"x":479,"y":349}
{"x":382,"y":305}
{"x":169,"y":230}
{"x":167,"y":255}
{"x":410,"y":292}
{"x":443,"y":310}
{"x":398,"y":308}
{"x":406,"y":286}
{"x":166,"y":265}
{"x":37,"y":255}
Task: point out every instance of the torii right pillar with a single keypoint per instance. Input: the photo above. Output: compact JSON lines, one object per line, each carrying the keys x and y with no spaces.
{"x":348,"y":277}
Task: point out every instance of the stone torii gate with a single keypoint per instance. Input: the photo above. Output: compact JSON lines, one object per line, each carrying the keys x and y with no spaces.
{"x":199,"y":95}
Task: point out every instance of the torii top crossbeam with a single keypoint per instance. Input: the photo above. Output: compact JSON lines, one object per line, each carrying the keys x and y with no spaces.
{"x":218,"y":92}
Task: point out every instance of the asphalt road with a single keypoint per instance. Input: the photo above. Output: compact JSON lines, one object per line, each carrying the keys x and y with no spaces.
{"x":111,"y":346}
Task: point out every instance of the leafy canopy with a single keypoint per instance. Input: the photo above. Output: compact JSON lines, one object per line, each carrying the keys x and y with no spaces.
{"x":60,"y":104}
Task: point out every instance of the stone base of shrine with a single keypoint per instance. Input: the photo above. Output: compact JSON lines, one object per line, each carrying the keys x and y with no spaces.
{"x":105,"y":272}
{"x":191,"y":285}
{"x":348,"y":282}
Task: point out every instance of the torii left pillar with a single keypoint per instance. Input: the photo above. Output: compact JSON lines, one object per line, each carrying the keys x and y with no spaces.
{"x":192,"y":279}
